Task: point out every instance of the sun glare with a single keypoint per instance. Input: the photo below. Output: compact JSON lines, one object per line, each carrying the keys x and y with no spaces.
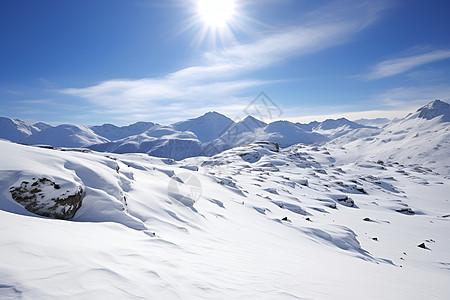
{"x":216,"y":13}
{"x":215,"y":22}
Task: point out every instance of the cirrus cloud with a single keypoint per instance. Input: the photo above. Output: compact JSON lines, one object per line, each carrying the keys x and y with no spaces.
{"x":395,"y":66}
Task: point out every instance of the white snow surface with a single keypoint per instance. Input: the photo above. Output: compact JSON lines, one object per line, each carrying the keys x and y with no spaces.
{"x":253,"y":222}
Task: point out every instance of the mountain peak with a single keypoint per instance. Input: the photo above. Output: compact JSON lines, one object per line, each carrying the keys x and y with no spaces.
{"x":434,"y":109}
{"x":333,"y":124}
{"x":252,"y":120}
{"x":207,"y":127}
{"x":212,"y":114}
{"x":42,"y":125}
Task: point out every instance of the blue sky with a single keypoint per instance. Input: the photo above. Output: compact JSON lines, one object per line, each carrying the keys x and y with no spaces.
{"x":122,"y":61}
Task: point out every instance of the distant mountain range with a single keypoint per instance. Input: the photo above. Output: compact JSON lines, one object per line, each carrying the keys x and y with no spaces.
{"x":208,"y":134}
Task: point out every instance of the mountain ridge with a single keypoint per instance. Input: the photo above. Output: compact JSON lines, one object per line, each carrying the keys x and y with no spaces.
{"x":207,"y":134}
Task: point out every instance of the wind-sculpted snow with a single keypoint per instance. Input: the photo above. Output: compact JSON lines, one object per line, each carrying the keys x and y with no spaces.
{"x":355,"y":220}
{"x":257,"y":221}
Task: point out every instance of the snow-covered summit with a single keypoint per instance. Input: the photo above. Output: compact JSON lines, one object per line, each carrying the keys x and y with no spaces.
{"x":206,"y":127}
{"x":333,"y":124}
{"x":42,"y":125}
{"x":432,"y":110}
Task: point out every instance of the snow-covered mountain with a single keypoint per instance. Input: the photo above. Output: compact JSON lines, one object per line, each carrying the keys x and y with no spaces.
{"x":113,"y":132}
{"x":331,"y":128}
{"x":421,"y":138}
{"x":253,"y":222}
{"x":287,"y":134}
{"x":434,"y":110}
{"x":212,"y":133}
{"x":240,"y":133}
{"x":15,"y":130}
{"x":159,"y":141}
{"x":207,"y":127}
{"x":64,"y":136}
{"x":42,"y":126}
{"x":377,"y":122}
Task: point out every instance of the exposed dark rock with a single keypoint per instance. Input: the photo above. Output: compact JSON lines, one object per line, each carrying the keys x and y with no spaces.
{"x":45,"y":147}
{"x":346,"y":201}
{"x":406,"y":210}
{"x":361,"y":190}
{"x":331,"y":205}
{"x":34,"y":199}
{"x":422,"y":246}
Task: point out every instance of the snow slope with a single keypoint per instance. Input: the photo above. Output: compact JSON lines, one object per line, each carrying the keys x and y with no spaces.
{"x":253,"y":222}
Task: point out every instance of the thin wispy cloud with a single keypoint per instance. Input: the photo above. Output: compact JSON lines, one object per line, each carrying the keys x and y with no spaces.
{"x":221,"y":75}
{"x":406,"y":97}
{"x":395,"y":66}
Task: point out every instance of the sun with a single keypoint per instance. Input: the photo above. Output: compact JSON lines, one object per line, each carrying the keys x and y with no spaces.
{"x":214,"y":23}
{"x":216,"y":13}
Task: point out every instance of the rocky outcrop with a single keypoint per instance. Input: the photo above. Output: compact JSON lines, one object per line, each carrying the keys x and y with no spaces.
{"x":46,"y":198}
